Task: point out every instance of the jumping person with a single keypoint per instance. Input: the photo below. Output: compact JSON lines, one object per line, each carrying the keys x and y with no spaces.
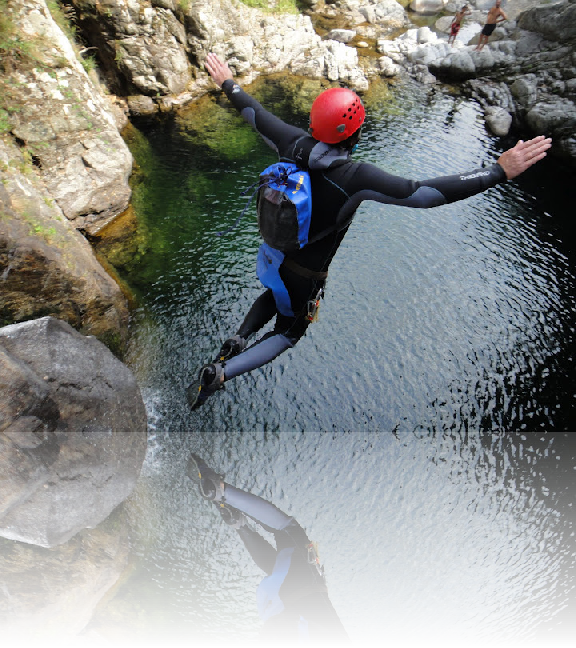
{"x":495,"y":16}
{"x":457,"y":23}
{"x":294,"y":282}
{"x":293,"y":598}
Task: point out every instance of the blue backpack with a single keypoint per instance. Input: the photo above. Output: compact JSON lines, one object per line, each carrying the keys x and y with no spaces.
{"x":284,"y":206}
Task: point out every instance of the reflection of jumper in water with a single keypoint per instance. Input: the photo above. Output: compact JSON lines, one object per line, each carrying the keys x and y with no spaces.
{"x":293,"y":282}
{"x":293,"y":598}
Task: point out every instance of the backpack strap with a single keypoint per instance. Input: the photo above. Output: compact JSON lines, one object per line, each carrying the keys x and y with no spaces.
{"x":296,"y":268}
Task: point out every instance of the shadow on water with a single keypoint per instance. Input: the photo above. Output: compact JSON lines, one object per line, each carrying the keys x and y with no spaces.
{"x":400,"y":431}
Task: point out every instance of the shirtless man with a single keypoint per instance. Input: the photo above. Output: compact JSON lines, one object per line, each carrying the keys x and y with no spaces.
{"x":457,"y":23}
{"x":495,"y":16}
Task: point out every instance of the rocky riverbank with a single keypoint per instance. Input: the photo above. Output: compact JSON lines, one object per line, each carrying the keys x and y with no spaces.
{"x":525,"y":78}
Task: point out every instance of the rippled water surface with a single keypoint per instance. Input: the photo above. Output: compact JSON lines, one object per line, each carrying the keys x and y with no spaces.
{"x":419,"y":431}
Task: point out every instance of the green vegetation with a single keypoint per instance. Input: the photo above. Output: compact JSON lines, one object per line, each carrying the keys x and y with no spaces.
{"x":281,"y":6}
{"x":119,"y":52}
{"x":4,"y":121}
{"x":14,"y":50}
{"x":88,"y":63}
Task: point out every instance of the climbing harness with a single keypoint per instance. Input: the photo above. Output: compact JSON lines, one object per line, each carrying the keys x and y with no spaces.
{"x":314,"y":306}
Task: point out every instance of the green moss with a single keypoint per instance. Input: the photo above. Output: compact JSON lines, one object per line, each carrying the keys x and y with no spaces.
{"x":281,"y":6}
{"x":5,"y":124}
{"x":41,"y":228}
{"x":217,"y":128}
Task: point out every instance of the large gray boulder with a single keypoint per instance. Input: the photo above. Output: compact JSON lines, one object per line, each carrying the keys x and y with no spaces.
{"x":556,"y":22}
{"x":73,"y":432}
{"x":498,"y":120}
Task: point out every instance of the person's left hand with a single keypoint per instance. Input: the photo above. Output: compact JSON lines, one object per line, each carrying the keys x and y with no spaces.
{"x":218,"y":70}
{"x":516,"y":160}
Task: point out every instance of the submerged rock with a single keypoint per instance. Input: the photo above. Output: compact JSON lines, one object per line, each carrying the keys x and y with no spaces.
{"x":498,"y":120}
{"x":73,"y":432}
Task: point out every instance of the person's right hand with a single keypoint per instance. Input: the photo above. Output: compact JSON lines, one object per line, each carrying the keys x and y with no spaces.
{"x":217,"y":70}
{"x":516,"y":160}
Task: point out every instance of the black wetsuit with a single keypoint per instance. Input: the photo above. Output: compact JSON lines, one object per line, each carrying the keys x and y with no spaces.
{"x":339,"y":186}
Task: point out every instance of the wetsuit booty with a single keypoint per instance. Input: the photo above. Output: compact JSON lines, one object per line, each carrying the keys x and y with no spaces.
{"x":232,"y":516}
{"x":208,"y":382}
{"x":232,"y":347}
{"x":209,"y":481}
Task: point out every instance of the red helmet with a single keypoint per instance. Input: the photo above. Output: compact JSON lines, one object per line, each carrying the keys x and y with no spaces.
{"x":336,"y":114}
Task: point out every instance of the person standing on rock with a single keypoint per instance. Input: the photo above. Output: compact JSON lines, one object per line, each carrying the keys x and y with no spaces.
{"x":457,"y":23}
{"x":495,"y":16}
{"x":295,"y":281}
{"x":293,"y":598}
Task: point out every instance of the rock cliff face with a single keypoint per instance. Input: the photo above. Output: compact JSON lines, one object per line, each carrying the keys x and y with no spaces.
{"x":63,"y":167}
{"x":46,"y":266}
{"x":155,"y":48}
{"x":72,"y":432}
{"x":62,"y":119}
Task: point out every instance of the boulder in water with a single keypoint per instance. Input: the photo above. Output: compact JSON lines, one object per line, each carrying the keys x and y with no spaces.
{"x":73,"y":432}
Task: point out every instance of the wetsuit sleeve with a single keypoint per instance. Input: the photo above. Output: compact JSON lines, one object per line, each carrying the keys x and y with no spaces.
{"x":464,"y":185}
{"x":371,"y":183}
{"x":279,"y":135}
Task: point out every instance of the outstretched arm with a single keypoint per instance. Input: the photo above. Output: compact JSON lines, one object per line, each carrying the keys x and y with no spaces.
{"x":372,"y":183}
{"x":218,"y":70}
{"x":276,"y":133}
{"x":516,"y":160}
